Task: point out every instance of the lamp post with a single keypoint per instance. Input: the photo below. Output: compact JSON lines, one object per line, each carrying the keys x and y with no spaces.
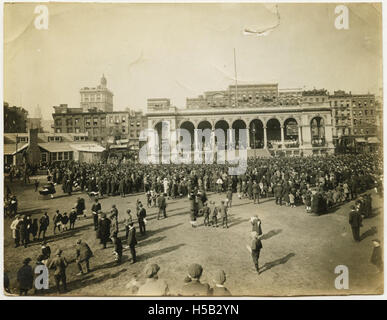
{"x":254,"y":141}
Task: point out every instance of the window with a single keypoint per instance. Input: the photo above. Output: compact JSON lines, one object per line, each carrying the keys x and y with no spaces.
{"x":65,"y":155}
{"x":58,"y":130}
{"x":123,"y":119}
{"x":70,"y":155}
{"x":76,"y":121}
{"x":60,"y":156}
{"x":103,"y":122}
{"x":22,"y":139}
{"x":87,"y":122}
{"x":111,"y":119}
{"x":365,"y":112}
{"x":77,"y":130}
{"x":95,"y":121}
{"x":117,"y":119}
{"x":123,"y":129}
{"x":70,"y":130}
{"x":54,"y":156}
{"x":58,"y":122}
{"x":43,"y":157}
{"x":76,"y":138}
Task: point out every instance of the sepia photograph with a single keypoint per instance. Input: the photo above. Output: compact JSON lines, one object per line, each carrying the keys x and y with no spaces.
{"x":192,"y":149}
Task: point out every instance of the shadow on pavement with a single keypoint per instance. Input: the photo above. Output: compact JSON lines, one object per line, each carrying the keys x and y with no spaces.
{"x":270,"y":234}
{"x":272,"y":264}
{"x":370,"y":232}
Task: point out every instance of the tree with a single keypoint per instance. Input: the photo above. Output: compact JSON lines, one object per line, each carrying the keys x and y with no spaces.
{"x":15,"y":119}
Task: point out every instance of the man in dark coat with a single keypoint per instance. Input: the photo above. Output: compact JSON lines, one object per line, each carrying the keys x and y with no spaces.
{"x":278,"y":194}
{"x":141,"y":215}
{"x":83,"y":254}
{"x":355,"y":220}
{"x":44,"y":222}
{"x":25,"y":277}
{"x":132,"y":241}
{"x":162,"y":203}
{"x":24,"y":231}
{"x":104,"y":230}
{"x":96,"y":207}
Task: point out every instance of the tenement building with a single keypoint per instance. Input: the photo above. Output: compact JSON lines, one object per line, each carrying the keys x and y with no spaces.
{"x":287,"y":122}
{"x":99,"y":121}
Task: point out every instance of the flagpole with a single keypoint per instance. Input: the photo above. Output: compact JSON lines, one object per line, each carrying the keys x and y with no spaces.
{"x":236,"y":81}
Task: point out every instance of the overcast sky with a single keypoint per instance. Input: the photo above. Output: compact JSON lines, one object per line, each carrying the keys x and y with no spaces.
{"x":181,"y":50}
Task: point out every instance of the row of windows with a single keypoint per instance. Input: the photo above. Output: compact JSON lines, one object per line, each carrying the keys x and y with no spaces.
{"x":60,"y":156}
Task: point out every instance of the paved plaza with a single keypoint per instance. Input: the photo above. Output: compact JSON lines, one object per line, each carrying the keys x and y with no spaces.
{"x":299,"y":255}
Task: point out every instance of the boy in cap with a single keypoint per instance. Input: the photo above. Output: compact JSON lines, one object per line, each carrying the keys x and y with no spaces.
{"x":193,"y":286}
{"x":153,"y":286}
{"x":220,"y":289}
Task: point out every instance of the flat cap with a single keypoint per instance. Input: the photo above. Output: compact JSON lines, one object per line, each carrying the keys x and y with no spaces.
{"x":220,"y":277}
{"x":195,"y":270}
{"x":26,"y":260}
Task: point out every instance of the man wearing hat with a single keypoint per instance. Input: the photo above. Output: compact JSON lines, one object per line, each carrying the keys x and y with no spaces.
{"x":104,"y":230}
{"x":83,"y":254}
{"x":141,"y":215}
{"x":219,"y":289}
{"x":132,"y":241}
{"x":59,"y":264}
{"x":15,"y":228}
{"x":25,"y":277}
{"x":355,"y":220}
{"x":194,"y":287}
{"x":153,"y":285}
{"x":162,"y":203}
{"x":45,"y":252}
{"x":44,"y":222}
{"x":96,"y":207}
{"x":255,"y":249}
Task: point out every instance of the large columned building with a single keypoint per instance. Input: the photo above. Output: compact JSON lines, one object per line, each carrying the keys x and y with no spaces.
{"x":275,"y":125}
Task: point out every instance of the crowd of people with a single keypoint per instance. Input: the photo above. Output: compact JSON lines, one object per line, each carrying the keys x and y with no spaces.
{"x":317,"y":183}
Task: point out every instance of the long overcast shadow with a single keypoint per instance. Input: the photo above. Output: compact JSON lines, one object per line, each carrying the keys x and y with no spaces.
{"x":272,"y":264}
{"x":159,"y":252}
{"x":151,"y":232}
{"x":143,"y":243}
{"x":370,"y":232}
{"x":270,"y":234}
{"x":232,"y":222}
